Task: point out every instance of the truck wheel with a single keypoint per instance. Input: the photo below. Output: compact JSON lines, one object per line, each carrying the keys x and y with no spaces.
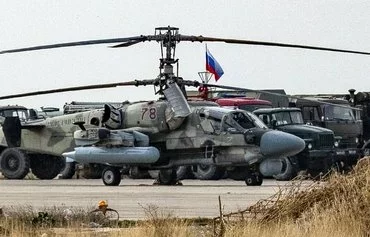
{"x":68,"y":171}
{"x":111,"y":176}
{"x":254,"y":179}
{"x":14,"y":163}
{"x":153,"y":174}
{"x":46,"y":166}
{"x":184,"y":172}
{"x":136,"y":172}
{"x":288,"y":171}
{"x":92,"y":171}
{"x":208,"y":172}
{"x":167,"y":177}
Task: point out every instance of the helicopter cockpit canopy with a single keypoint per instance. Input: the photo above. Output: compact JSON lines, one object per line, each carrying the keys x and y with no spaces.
{"x":217,"y":120}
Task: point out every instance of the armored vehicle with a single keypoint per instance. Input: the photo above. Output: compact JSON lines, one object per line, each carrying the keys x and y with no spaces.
{"x":321,"y":152}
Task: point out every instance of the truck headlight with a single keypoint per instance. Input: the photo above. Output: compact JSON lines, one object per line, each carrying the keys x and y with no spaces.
{"x":336,"y":144}
{"x":357,"y":140}
{"x":309,"y":146}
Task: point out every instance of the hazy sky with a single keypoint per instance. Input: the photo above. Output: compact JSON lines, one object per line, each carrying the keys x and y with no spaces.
{"x":336,"y":23}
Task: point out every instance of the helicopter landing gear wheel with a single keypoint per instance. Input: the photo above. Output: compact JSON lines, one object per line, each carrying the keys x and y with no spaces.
{"x":111,"y":176}
{"x":167,"y":177}
{"x":254,"y":179}
{"x":14,"y":163}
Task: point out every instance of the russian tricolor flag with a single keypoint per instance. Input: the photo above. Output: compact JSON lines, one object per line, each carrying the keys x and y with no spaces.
{"x":212,"y":65}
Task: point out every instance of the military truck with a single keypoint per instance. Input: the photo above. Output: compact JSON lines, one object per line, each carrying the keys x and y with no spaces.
{"x":361,"y":101}
{"x":334,"y":114}
{"x":322,"y":151}
{"x":14,"y":161}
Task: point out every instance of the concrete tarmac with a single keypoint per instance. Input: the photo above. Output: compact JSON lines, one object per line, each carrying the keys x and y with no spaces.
{"x":195,"y":198}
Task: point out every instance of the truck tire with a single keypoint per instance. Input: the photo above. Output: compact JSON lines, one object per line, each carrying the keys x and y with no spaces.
{"x":92,"y":171}
{"x":46,"y":166}
{"x":153,"y":174}
{"x":288,"y":171}
{"x":184,"y":172}
{"x":14,"y":163}
{"x":208,"y":172}
{"x":68,"y":171}
{"x":167,"y":177}
{"x":136,"y":172}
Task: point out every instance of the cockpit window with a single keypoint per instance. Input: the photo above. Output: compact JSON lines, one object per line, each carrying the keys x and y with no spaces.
{"x":243,"y":120}
{"x":228,"y":120}
{"x":209,"y":123}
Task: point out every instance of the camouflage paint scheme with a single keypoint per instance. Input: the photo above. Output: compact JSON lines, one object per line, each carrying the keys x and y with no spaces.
{"x":186,"y":140}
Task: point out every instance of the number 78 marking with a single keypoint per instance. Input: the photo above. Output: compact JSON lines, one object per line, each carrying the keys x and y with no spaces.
{"x":152,"y":112}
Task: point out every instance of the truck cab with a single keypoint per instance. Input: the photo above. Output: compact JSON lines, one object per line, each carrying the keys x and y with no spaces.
{"x":334,"y":114}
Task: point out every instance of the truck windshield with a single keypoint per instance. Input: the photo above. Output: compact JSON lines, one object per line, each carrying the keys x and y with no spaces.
{"x":332,"y":112}
{"x":21,"y":113}
{"x":287,"y":117}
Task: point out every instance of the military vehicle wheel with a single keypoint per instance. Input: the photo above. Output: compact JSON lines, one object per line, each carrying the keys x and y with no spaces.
{"x":136,"y":172}
{"x":14,"y":163}
{"x":208,"y":172}
{"x":111,"y":176}
{"x":184,"y":172}
{"x":153,"y":174}
{"x":68,"y":171}
{"x":167,"y":177}
{"x":254,"y":179}
{"x":288,"y":170}
{"x":46,"y":166}
{"x":92,"y":171}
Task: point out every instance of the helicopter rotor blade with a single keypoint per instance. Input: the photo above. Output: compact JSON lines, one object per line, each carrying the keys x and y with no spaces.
{"x":79,"y":88}
{"x":264,"y":43}
{"x":129,"y":43}
{"x":128,"y":40}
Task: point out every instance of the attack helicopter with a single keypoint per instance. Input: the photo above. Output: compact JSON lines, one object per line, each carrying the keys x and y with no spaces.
{"x":162,"y":134}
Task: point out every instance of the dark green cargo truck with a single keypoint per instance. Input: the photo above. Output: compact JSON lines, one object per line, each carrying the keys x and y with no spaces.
{"x":322,"y":152}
